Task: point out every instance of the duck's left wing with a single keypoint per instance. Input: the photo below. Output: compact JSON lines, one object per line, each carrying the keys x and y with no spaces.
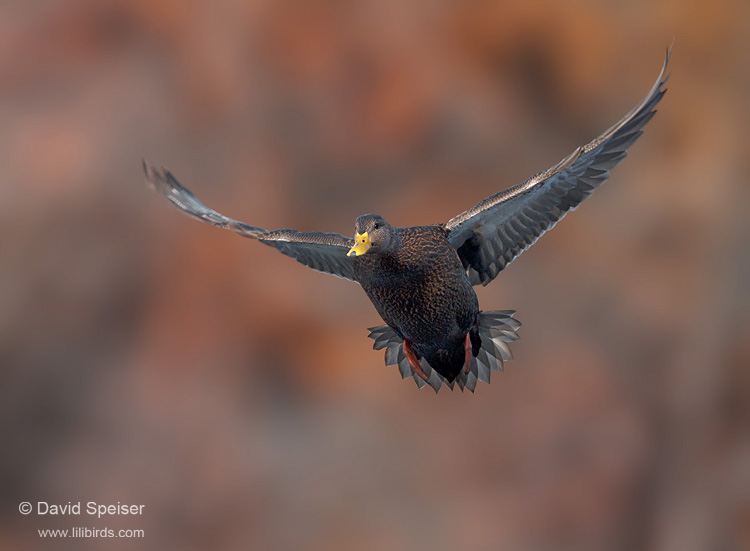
{"x":491,"y":234}
{"x":324,"y":252}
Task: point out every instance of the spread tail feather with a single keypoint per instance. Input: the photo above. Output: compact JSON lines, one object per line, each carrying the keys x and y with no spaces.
{"x":496,"y":329}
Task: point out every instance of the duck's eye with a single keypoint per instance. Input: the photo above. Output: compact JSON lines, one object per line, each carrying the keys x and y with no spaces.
{"x":376,"y":226}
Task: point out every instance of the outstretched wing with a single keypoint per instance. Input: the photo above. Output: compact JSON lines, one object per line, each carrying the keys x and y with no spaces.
{"x":491,"y":234}
{"x":325,"y":252}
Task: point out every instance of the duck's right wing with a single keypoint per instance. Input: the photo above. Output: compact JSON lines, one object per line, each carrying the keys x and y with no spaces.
{"x":324,"y":252}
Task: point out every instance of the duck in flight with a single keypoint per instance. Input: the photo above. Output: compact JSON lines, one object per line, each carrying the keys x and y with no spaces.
{"x":420,"y":279}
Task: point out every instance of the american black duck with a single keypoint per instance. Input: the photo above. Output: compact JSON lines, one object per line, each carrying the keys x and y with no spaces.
{"x":420,"y":279}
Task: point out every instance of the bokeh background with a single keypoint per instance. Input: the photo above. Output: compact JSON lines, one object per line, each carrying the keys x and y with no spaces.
{"x":146,"y":358}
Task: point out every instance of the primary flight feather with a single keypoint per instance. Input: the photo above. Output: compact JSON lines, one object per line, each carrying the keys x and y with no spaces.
{"x":420,"y":279}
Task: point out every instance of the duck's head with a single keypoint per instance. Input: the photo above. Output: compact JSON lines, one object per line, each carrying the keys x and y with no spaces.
{"x":372,"y":235}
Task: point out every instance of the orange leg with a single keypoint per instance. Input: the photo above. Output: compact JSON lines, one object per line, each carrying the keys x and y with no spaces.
{"x":414,"y":362}
{"x":467,"y":361}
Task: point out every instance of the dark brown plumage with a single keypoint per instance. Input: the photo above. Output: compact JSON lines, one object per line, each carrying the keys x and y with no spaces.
{"x":419,"y":287}
{"x":420,"y":279}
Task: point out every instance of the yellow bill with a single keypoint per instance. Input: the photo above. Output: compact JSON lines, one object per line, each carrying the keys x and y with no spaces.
{"x":361,"y":245}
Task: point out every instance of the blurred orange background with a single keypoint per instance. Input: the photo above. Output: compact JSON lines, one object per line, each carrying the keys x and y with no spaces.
{"x":149,"y":359}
